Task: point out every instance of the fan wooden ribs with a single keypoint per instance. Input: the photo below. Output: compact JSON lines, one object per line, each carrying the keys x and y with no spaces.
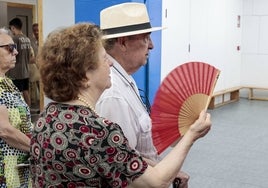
{"x":182,"y":95}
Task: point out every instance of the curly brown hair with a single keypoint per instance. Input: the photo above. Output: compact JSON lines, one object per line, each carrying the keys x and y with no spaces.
{"x":65,"y":57}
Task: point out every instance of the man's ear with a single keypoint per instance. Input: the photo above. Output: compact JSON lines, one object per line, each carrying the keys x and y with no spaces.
{"x":122,"y":42}
{"x":12,"y":29}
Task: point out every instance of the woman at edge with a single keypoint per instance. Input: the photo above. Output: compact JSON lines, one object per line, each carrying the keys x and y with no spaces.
{"x":15,"y":121}
{"x":71,"y":144}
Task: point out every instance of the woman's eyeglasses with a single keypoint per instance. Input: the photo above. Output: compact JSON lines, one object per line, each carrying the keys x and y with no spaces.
{"x":9,"y":47}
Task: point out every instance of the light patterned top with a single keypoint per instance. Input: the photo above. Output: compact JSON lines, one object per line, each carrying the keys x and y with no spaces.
{"x":19,"y":116}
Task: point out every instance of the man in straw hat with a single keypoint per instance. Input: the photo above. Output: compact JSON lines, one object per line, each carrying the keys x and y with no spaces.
{"x":127,"y":29}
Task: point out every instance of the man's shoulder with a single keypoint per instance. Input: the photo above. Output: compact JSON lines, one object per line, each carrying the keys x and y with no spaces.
{"x":15,"y":38}
{"x":113,"y":92}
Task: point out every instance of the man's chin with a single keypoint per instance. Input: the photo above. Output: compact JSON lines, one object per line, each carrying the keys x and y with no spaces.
{"x":109,"y":85}
{"x":12,"y":66}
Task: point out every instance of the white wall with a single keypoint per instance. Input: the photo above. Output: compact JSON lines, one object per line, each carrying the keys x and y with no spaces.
{"x":210,"y":27}
{"x":255,"y":43}
{"x":56,"y":14}
{"x":175,"y":38}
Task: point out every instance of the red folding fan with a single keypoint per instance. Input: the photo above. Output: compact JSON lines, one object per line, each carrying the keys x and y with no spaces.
{"x":182,"y":95}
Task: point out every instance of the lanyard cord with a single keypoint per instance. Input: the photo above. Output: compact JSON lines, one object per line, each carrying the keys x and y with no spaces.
{"x":132,"y":86}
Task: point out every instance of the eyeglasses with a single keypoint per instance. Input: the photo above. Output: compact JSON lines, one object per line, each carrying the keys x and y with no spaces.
{"x":146,"y":38}
{"x":9,"y":47}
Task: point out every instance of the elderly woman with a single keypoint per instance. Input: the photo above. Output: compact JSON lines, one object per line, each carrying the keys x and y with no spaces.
{"x":15,"y":121}
{"x":72,"y":146}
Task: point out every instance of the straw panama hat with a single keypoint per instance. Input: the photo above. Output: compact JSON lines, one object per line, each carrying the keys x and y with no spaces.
{"x":125,"y":19}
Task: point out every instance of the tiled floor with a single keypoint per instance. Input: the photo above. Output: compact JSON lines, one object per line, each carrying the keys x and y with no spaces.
{"x":235,"y":152}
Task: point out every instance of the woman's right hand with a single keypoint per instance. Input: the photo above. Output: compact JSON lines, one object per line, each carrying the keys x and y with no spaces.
{"x":201,"y":126}
{"x":164,"y":172}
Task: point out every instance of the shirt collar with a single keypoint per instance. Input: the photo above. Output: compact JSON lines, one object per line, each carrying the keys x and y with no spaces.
{"x":128,"y":79}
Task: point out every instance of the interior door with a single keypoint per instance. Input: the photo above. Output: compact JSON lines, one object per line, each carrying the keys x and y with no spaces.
{"x":25,"y":13}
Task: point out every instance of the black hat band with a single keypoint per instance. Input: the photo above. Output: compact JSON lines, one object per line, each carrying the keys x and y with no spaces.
{"x":128,"y":28}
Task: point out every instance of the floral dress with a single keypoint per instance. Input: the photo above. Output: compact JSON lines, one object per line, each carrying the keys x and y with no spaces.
{"x":11,"y":175}
{"x":71,"y":146}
